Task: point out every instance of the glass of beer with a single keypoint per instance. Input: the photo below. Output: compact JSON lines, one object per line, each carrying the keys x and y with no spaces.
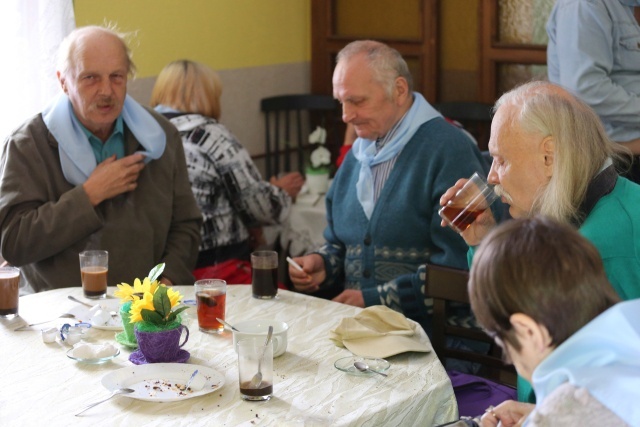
{"x":211,"y":298}
{"x":94,"y":266}
{"x":9,"y":292}
{"x":264,"y":268}
{"x":469,"y":202}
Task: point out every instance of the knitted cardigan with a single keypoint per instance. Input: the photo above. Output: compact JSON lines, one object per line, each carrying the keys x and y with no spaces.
{"x":381,"y":256}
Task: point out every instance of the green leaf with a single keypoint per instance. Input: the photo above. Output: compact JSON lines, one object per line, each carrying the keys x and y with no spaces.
{"x":151,"y":316}
{"x":156,"y":272}
{"x":161,"y":302}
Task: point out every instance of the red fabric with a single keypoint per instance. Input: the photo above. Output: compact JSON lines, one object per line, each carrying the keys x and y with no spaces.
{"x":344,"y":149}
{"x":232,"y":271}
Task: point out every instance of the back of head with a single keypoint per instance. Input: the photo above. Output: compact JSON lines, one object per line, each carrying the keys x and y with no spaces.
{"x":386,"y":63}
{"x":580,"y":141}
{"x":190,"y":87}
{"x":80,"y":38}
{"x":541,"y":268}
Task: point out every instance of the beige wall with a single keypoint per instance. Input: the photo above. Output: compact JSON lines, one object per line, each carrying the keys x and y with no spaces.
{"x":260,"y":48}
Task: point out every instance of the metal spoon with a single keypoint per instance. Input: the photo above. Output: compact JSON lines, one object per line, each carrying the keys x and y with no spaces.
{"x":257,"y":378}
{"x":113,"y":393}
{"x":228,"y":325}
{"x":363,"y":367}
{"x":72,"y":298}
{"x":62,"y":316}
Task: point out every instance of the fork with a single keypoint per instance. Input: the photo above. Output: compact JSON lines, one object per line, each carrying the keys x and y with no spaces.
{"x":62,"y":316}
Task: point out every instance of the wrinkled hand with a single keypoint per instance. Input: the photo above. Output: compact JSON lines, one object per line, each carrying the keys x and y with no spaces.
{"x":291,"y":183}
{"x":113,"y":177}
{"x":313,"y":275}
{"x":507,"y":414}
{"x":478,"y":228}
{"x":351,"y":297}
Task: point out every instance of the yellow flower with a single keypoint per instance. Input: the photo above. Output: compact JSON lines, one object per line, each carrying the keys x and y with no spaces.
{"x":127,"y":293}
{"x":138,"y":304}
{"x":174,"y":297}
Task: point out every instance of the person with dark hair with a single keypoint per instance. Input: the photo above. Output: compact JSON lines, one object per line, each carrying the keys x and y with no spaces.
{"x":96,"y":170}
{"x":540,"y":290}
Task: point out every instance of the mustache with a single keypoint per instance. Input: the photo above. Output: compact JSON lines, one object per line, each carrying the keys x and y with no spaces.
{"x":500,"y":191}
{"x":106,"y":102}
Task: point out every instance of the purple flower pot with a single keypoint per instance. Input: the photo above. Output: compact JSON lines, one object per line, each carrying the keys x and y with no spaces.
{"x":161,"y":346}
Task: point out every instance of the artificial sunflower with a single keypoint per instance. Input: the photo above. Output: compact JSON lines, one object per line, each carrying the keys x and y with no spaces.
{"x":152,"y":303}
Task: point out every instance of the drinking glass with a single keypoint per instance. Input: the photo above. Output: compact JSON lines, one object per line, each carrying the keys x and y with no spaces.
{"x":211,"y":297}
{"x":9,"y":292}
{"x":94,"y":266}
{"x":264,"y":267}
{"x":469,"y":202}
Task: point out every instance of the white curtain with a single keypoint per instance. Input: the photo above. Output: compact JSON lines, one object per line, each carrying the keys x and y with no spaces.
{"x":30,"y":33}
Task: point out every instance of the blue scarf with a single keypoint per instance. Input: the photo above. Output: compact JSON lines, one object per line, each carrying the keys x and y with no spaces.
{"x":603,"y":358}
{"x":365,"y":150}
{"x":76,"y":156}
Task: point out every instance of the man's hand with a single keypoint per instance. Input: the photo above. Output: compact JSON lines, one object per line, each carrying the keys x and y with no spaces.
{"x":113,"y":177}
{"x":291,"y":183}
{"x":313,"y":275}
{"x":351,"y":297}
{"x":480,"y":227}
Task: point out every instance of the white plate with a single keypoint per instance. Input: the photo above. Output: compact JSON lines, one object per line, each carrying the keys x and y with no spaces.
{"x":108,"y":305}
{"x":92,"y":361}
{"x":114,"y":324}
{"x":161,"y":382}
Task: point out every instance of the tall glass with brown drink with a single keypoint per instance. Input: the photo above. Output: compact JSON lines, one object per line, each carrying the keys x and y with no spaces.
{"x":469,"y":202}
{"x":94,"y":266}
{"x":211,"y":298}
{"x":264,"y":266}
{"x":9,"y":292}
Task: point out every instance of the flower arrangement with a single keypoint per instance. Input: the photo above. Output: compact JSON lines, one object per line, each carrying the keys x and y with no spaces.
{"x":151,"y":303}
{"x":320,"y":157}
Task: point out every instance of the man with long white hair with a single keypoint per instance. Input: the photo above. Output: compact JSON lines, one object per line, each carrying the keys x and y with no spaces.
{"x":552,"y":156}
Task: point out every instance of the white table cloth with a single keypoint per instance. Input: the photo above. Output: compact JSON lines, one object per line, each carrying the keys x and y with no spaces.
{"x":41,"y":386}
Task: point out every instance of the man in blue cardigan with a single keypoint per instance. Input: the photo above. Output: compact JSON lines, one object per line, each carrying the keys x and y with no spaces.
{"x":382,"y":208}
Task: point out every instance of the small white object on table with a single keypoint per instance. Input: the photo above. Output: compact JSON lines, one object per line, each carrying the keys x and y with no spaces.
{"x":42,"y":386}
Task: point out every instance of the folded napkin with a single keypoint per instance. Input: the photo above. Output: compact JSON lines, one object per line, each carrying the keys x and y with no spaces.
{"x":379,"y":331}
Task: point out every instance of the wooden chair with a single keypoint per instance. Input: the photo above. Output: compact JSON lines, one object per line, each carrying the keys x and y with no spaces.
{"x":289,"y":119}
{"x":475,"y":117}
{"x":448,"y":286}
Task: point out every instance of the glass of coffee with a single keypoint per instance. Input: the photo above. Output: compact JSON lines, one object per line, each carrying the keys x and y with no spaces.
{"x":9,"y":292}
{"x":253,"y":355}
{"x":264,"y":267}
{"x":211,"y":297}
{"x":94,"y":266}
{"x":469,"y":202}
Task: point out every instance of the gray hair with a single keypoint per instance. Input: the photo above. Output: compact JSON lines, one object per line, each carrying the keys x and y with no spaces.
{"x":386,"y":62}
{"x":581,"y":143}
{"x":68,"y":50}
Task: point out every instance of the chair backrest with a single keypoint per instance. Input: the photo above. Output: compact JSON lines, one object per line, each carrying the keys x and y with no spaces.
{"x":449,"y":285}
{"x":475,"y":117}
{"x":289,"y":119}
